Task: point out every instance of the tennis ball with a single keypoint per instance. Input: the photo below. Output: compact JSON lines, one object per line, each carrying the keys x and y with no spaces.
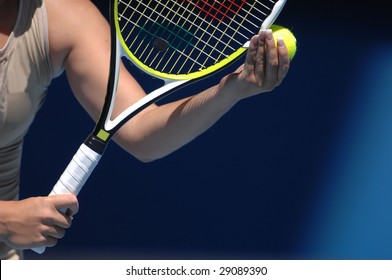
{"x":288,"y":38}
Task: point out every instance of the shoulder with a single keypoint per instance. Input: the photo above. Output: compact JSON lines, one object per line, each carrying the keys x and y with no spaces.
{"x":72,"y":24}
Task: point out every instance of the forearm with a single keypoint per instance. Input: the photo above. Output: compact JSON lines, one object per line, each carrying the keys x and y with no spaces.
{"x":4,"y":206}
{"x":164,"y":129}
{"x":161,"y":130}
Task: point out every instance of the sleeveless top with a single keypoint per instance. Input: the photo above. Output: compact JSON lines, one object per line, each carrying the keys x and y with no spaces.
{"x":25,"y":74}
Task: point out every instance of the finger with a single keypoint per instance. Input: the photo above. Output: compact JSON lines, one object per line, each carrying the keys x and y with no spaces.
{"x":272,"y":59}
{"x":63,"y":221}
{"x":50,"y":242}
{"x":59,"y":219}
{"x":55,"y":232}
{"x":249,"y":65}
{"x":66,"y":205}
{"x":260,"y":57}
{"x":284,"y":60}
{"x":66,"y":201}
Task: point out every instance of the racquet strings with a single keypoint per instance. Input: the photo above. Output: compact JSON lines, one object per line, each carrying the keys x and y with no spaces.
{"x":182,"y":36}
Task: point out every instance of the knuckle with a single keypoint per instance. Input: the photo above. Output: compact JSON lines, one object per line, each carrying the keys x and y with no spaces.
{"x":61,"y":233}
{"x":68,"y":224}
{"x":46,"y":214}
{"x":285,"y":67}
{"x":274,"y":63}
{"x":51,"y":242}
{"x":260,"y":60}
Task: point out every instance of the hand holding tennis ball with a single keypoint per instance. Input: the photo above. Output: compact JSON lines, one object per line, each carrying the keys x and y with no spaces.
{"x":288,"y":38}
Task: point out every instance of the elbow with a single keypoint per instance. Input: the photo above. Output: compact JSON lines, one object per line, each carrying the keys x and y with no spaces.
{"x":142,"y":150}
{"x":145,"y":156}
{"x":145,"y":159}
{"x":149,"y":155}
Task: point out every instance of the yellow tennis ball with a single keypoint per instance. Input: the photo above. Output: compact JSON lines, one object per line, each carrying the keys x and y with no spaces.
{"x":288,"y":38}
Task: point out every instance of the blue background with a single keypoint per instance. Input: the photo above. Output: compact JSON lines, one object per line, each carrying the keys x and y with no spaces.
{"x":300,"y":173}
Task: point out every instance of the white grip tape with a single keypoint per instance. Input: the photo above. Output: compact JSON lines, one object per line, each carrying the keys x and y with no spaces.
{"x":75,"y":176}
{"x":77,"y":171}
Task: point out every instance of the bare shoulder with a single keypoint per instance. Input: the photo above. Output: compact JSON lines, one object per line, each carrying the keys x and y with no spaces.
{"x":72,"y":23}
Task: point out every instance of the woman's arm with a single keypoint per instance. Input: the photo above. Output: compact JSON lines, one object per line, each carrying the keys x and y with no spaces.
{"x":83,"y":47}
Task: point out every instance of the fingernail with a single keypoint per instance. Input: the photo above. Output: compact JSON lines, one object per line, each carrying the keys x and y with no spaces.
{"x":280,"y":42}
{"x":269,"y":35}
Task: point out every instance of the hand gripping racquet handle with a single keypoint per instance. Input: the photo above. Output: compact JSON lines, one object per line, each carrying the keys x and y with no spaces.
{"x":74,"y":176}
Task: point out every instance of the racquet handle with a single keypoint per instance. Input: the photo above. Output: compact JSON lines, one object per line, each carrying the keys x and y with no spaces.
{"x":75,"y":176}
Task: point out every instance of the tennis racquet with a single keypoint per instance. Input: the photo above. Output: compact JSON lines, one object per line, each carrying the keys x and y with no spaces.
{"x":178,"y":41}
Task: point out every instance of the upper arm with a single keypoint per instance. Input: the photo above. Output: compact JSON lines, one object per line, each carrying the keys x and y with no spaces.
{"x":80,"y":41}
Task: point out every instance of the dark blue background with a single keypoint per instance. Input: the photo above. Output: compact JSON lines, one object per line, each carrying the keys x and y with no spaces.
{"x":303,"y":172}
